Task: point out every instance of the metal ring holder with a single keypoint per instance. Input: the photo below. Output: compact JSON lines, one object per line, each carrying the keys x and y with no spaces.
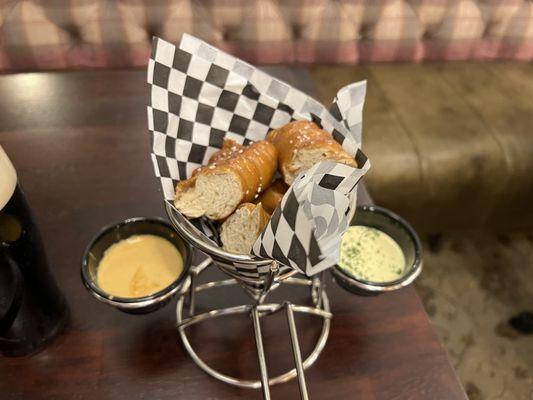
{"x":257,"y":289}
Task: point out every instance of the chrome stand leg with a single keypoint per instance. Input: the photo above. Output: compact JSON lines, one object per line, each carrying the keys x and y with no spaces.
{"x":256,"y":311}
{"x":193,"y":275}
{"x":317,"y":287}
{"x":261,"y":354}
{"x":296,"y":352}
{"x":274,"y":269}
{"x":192,"y":293}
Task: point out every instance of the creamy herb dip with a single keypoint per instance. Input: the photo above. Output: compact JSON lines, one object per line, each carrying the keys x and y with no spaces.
{"x":370,"y":254}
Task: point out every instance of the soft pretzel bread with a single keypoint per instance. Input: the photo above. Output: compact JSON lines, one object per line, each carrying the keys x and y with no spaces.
{"x":229,"y":149}
{"x":235,"y":174}
{"x":271,"y":197}
{"x":242,"y":228}
{"x":301,"y":144}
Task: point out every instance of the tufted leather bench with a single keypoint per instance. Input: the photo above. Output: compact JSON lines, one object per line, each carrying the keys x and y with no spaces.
{"x":58,"y":34}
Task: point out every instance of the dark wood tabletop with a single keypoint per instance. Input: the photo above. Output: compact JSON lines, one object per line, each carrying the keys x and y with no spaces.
{"x":80,"y":144}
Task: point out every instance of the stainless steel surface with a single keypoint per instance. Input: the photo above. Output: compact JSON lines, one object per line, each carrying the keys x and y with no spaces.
{"x":377,"y":288}
{"x":274,"y":269}
{"x":209,"y":285}
{"x":257,"y":289}
{"x":222,"y":258}
{"x":185,"y":228}
{"x":192,"y":293}
{"x":260,"y":353}
{"x":136,"y":305}
{"x":296,"y":352}
{"x":261,"y":310}
{"x":318,"y":285}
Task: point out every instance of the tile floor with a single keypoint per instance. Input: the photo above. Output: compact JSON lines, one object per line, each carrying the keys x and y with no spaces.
{"x":472,"y":284}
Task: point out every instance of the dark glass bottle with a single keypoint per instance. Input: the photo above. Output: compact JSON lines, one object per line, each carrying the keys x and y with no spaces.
{"x":32,"y":308}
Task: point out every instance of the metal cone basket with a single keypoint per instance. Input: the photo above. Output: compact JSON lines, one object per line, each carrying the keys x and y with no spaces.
{"x":257,"y":288}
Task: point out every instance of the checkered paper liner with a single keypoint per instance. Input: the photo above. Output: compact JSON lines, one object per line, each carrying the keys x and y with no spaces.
{"x":314,"y":211}
{"x":200,"y":95}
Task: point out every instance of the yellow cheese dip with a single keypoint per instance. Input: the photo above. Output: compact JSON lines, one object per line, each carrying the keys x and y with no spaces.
{"x":139,"y":266}
{"x":370,"y":254}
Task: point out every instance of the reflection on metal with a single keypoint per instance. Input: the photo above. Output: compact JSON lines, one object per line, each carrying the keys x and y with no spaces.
{"x":296,"y":352}
{"x":256,"y":310}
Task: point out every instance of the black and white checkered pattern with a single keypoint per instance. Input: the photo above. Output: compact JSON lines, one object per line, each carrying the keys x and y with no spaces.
{"x":347,"y":108}
{"x":305,"y":230}
{"x":200,"y":95}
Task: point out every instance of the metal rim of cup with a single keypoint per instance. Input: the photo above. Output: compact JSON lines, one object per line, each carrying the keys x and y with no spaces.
{"x":182,"y":228}
{"x":133,"y":302}
{"x":379,"y":287}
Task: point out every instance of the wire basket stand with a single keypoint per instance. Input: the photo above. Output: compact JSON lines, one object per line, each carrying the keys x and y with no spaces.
{"x":257,"y":289}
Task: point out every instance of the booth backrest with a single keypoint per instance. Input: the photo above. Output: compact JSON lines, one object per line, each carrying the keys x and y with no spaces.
{"x":62,"y":34}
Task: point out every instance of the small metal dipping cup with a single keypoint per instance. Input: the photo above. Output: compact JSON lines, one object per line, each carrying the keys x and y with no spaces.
{"x":123,"y":230}
{"x":402,"y":233}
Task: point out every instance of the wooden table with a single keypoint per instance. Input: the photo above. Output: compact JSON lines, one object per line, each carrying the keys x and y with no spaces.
{"x":80,"y":144}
